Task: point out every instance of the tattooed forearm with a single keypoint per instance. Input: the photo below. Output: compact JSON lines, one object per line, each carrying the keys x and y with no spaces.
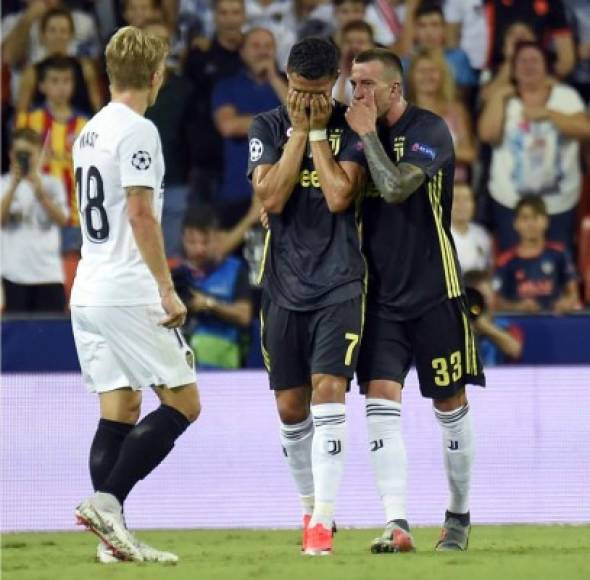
{"x":395,"y":183}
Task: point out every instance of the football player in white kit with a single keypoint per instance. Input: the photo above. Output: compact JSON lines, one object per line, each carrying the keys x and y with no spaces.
{"x":125,"y":312}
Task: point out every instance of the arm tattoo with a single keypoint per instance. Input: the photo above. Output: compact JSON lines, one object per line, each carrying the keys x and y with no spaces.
{"x":395,"y":183}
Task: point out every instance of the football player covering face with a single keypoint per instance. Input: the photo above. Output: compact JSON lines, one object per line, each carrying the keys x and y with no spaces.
{"x":307,"y":169}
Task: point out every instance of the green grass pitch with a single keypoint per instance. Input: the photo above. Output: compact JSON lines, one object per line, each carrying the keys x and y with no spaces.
{"x":496,"y":553}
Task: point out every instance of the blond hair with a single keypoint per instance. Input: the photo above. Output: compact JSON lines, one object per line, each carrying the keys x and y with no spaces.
{"x":132,"y":58}
{"x":447,"y":89}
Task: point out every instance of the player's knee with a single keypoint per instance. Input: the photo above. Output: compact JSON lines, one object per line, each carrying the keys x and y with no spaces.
{"x":132,"y":415}
{"x":381,"y":389}
{"x":329,"y":389}
{"x":290,"y":412}
{"x":452,"y":403}
{"x":184,"y":399}
{"x":127,"y":412}
{"x":191,"y":409}
{"x":292,"y":405}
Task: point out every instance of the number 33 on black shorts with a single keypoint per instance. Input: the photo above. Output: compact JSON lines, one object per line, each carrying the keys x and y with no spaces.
{"x":296,"y":345}
{"x":441,"y":342}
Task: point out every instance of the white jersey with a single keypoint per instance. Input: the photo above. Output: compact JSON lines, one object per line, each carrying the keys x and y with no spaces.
{"x":118,"y":148}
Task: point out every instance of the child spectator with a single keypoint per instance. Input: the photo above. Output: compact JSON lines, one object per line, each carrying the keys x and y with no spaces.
{"x":33,"y":208}
{"x":536,"y":275}
{"x":217,"y":295}
{"x":57,"y":33}
{"x":500,"y":339}
{"x":472,"y":241}
{"x":59,"y":124}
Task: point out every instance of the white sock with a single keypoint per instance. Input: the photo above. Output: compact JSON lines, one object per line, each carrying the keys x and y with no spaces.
{"x":327,"y":456}
{"x":296,"y":441}
{"x":459,"y":450}
{"x":388,"y":455}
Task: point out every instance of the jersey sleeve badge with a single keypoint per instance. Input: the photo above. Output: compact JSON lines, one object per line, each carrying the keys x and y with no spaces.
{"x":141,"y":160}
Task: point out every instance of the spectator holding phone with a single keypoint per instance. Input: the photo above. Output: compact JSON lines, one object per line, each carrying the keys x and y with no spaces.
{"x":33,"y":208}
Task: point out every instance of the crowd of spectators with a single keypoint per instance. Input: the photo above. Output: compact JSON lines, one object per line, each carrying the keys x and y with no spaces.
{"x":510,"y":77}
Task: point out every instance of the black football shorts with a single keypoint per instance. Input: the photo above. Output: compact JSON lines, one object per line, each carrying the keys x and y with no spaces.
{"x":296,"y":345}
{"x":441,"y":342}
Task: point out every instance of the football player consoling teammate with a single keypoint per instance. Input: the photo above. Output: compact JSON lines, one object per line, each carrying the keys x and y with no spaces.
{"x":416,"y":307}
{"x":125,"y":312}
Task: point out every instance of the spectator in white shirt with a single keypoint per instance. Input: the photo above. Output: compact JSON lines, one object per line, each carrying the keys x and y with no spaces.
{"x":473,"y":243}
{"x":534,"y":126}
{"x":33,"y":208}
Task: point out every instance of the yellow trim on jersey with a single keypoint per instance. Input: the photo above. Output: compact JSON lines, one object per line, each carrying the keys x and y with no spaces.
{"x":470,"y":349}
{"x":474,"y":369}
{"x":467,"y":345}
{"x":264,"y":254}
{"x":265,"y":355}
{"x":359,"y":225}
{"x":448,"y":259}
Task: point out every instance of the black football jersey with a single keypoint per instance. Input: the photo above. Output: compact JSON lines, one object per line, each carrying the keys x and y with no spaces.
{"x":312,"y":257}
{"x":409,"y":247}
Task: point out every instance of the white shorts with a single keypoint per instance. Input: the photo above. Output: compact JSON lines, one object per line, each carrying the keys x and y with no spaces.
{"x":123,"y":346}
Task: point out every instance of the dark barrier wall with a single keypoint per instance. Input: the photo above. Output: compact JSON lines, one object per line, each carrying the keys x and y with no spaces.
{"x":48,"y":345}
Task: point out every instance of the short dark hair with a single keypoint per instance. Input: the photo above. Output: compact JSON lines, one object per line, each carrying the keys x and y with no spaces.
{"x":429,"y":7}
{"x":358,"y":26}
{"x":535,"y":202}
{"x":314,"y":58}
{"x":389,"y":59}
{"x":29,"y":135}
{"x":59,"y":63}
{"x":57,"y":13}
{"x":200,"y":217}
